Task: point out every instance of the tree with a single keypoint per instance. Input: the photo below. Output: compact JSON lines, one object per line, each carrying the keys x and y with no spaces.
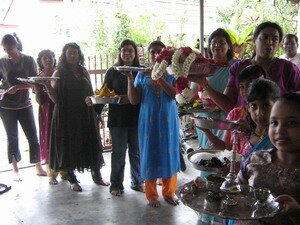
{"x":245,"y":13}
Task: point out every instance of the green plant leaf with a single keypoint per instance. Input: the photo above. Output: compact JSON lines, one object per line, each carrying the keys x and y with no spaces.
{"x":233,"y":35}
{"x":244,"y":36}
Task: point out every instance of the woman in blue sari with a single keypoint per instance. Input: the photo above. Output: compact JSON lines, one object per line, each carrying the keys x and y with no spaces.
{"x":220,"y":49}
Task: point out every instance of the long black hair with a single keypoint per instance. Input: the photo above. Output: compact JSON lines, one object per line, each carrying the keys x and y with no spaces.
{"x":62,"y":61}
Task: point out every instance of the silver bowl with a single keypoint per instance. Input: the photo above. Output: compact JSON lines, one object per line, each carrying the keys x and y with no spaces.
{"x":105,"y":100}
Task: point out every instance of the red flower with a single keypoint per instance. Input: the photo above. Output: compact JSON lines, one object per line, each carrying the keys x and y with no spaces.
{"x":186,"y":50}
{"x":165,"y":54}
{"x":180,"y":84}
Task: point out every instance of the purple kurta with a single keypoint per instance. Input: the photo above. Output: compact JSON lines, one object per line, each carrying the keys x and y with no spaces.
{"x":284,"y":73}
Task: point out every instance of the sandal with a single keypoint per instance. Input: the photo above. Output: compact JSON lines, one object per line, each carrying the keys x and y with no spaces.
{"x":4,"y":188}
{"x":76,"y":187}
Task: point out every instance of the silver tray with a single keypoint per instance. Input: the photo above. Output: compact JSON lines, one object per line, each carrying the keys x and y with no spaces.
{"x":131,"y":68}
{"x":200,"y":110}
{"x":195,"y":156}
{"x":210,"y":123}
{"x":37,"y":79}
{"x":105,"y":100}
{"x":199,"y":199}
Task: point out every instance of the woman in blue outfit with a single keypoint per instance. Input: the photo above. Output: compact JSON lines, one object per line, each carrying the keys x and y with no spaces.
{"x":122,"y":123}
{"x":158,"y":130}
{"x":220,"y":49}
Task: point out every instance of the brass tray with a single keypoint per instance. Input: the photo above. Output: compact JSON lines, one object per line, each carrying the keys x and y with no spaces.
{"x":199,"y":199}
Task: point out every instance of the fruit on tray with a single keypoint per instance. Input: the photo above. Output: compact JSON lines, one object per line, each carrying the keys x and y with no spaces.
{"x":105,"y":92}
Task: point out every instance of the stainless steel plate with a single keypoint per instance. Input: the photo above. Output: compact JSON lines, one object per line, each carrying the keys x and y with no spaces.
{"x":195,"y":156}
{"x":211,"y":123}
{"x":105,"y":100}
{"x":199,"y":200}
{"x":130,"y":68}
{"x":37,"y":79}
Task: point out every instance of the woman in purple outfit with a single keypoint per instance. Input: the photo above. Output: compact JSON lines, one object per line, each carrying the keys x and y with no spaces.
{"x":267,"y":38}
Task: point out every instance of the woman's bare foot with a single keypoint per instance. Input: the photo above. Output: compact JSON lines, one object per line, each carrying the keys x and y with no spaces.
{"x":116,"y":192}
{"x":76,"y":187}
{"x":172,"y":201}
{"x":53,"y":181}
{"x":154,"y":203}
{"x":16,"y":170}
{"x":17,"y":177}
{"x":39,"y":170}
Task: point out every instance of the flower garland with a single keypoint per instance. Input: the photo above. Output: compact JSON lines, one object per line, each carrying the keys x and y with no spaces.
{"x":184,"y":95}
{"x":162,"y":61}
{"x":179,"y":69}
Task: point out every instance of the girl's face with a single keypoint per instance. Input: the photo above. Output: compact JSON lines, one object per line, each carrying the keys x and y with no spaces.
{"x":284,"y":128}
{"x":260,"y":111}
{"x":243,"y":86}
{"x":72,"y":56}
{"x":219,"y":47}
{"x":267,"y":43}
{"x":47,"y":61}
{"x":11,"y":50}
{"x":127,"y":54}
{"x":154,"y":51}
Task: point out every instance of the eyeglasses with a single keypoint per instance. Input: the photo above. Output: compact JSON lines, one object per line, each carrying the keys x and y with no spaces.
{"x":129,"y":50}
{"x":220,"y":43}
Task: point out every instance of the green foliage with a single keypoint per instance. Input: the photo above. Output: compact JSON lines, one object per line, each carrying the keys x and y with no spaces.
{"x":247,"y":13}
{"x":241,"y":38}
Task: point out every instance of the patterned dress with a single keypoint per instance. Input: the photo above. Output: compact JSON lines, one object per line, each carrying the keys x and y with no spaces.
{"x":280,"y":181}
{"x":45,"y":117}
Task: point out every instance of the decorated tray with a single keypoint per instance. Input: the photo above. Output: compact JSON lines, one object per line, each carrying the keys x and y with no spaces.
{"x":212,"y":123}
{"x":131,"y":68}
{"x":200,"y":199}
{"x":210,"y":160}
{"x":203,"y":69}
{"x":105,"y":100}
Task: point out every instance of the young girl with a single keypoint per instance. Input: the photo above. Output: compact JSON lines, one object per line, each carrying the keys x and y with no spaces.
{"x":260,"y":97}
{"x":46,"y":62}
{"x":158,"y":131}
{"x":278,"y":169}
